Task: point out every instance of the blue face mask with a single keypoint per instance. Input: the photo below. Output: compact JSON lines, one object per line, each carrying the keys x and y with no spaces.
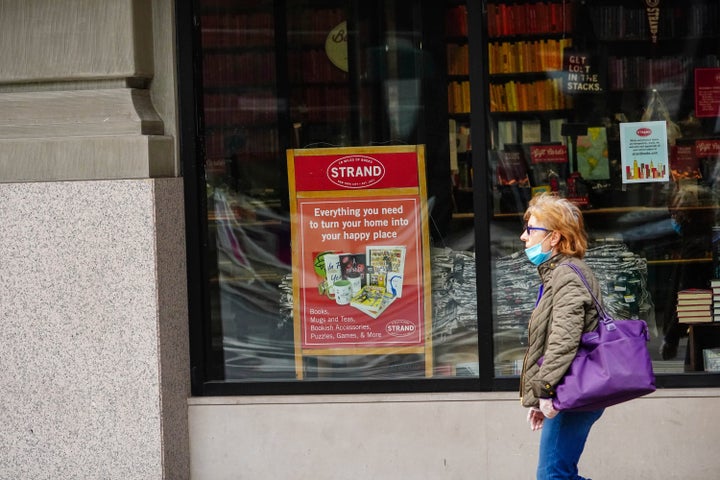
{"x":535,"y":253}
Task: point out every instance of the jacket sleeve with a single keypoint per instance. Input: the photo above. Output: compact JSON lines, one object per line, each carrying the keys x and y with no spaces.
{"x":566,"y":327}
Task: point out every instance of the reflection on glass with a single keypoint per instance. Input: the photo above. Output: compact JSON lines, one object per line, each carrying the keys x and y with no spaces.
{"x":309,"y":75}
{"x":555,"y":116}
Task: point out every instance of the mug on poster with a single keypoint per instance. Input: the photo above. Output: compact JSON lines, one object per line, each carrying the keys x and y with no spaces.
{"x":343,"y":292}
{"x":355,"y":279}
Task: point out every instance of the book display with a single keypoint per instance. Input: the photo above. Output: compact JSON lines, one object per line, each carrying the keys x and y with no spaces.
{"x":715,"y":287}
{"x":459,"y":96}
{"x":241,"y":137}
{"x":456,"y":31}
{"x":570,"y":86}
{"x":694,"y":306}
{"x":239,"y":72}
{"x":526,"y":45}
{"x":611,"y":104}
{"x":319,"y":90}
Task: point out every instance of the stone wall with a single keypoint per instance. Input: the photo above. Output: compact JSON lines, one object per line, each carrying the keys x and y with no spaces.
{"x":93,"y":311}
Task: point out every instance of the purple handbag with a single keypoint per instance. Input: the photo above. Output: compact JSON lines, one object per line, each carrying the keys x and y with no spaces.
{"x":612,"y":364}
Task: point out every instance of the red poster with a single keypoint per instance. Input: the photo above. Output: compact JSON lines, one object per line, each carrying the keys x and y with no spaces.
{"x":707,"y":92}
{"x":359,"y":248}
{"x":370,"y":246}
{"x":356,"y":171}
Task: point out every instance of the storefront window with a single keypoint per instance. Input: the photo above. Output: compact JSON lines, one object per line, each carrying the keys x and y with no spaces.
{"x":322,"y":76}
{"x":614,"y":105}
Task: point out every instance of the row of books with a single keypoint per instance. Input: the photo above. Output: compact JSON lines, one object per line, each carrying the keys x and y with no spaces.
{"x":464,"y":177}
{"x":456,"y":21}
{"x":310,"y":26}
{"x":639,"y":72}
{"x":322,"y":103}
{"x":460,"y":153}
{"x":240,"y":69}
{"x":699,"y":305}
{"x":527,"y":56}
{"x":541,"y":95}
{"x":314,"y":66}
{"x":459,"y":97}
{"x":532,"y":18}
{"x":226,"y":143}
{"x":240,"y":109}
{"x":617,"y":22}
{"x":529,"y":131}
{"x":237,"y":30}
{"x":458,"y":59}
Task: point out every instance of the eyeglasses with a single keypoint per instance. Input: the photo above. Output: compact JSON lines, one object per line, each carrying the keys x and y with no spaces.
{"x":528,"y":229}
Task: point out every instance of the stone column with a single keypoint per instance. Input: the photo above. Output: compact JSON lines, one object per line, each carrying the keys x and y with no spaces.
{"x":93,"y":315}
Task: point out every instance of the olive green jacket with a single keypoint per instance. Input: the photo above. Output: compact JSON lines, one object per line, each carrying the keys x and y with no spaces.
{"x":563,"y":313}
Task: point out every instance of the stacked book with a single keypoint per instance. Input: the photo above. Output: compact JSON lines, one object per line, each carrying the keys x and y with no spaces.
{"x":715,"y":285}
{"x":695,"y":305}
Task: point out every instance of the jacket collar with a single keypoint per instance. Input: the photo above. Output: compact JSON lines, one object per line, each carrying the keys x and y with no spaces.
{"x":545,"y":269}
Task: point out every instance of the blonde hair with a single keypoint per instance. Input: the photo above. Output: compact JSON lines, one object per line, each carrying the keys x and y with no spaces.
{"x":560,"y":215}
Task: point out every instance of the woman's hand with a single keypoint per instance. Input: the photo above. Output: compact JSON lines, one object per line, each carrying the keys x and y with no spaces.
{"x":535,"y":418}
{"x":546,"y":407}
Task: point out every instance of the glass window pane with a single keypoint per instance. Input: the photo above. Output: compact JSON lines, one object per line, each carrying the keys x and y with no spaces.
{"x":606,"y":103}
{"x":302,"y":75}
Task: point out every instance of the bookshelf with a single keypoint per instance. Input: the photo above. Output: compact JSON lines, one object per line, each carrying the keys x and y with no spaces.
{"x":459,"y":99}
{"x":319,"y":95}
{"x":639,"y":60}
{"x":526,"y":43}
{"x":629,"y":76}
{"x":269,"y":84}
{"x":239,"y":99}
{"x":525,"y":46}
{"x":458,"y":59}
{"x":567,"y":85}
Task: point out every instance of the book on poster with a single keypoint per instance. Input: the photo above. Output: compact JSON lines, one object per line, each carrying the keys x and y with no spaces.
{"x":372,"y":300}
{"x":382,"y":262}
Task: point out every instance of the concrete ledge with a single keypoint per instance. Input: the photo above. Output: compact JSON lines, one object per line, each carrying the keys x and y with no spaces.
{"x":86,"y":158}
{"x":415,"y":397}
{"x":667,"y":435}
{"x":118,"y":111}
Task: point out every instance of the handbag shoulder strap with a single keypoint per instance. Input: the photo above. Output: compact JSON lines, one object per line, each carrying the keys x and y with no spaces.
{"x":598,"y":306}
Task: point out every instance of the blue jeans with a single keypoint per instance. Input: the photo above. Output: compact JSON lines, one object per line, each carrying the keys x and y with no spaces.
{"x":561,"y":443}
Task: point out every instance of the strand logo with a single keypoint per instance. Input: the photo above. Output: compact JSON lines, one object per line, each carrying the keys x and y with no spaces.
{"x":400,"y":328}
{"x":643,"y":132}
{"x":356,"y":171}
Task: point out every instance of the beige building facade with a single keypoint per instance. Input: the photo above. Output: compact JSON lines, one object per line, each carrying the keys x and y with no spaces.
{"x":95,"y":375}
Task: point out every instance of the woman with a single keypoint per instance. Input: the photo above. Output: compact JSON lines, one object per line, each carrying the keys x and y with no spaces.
{"x":554,"y":235}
